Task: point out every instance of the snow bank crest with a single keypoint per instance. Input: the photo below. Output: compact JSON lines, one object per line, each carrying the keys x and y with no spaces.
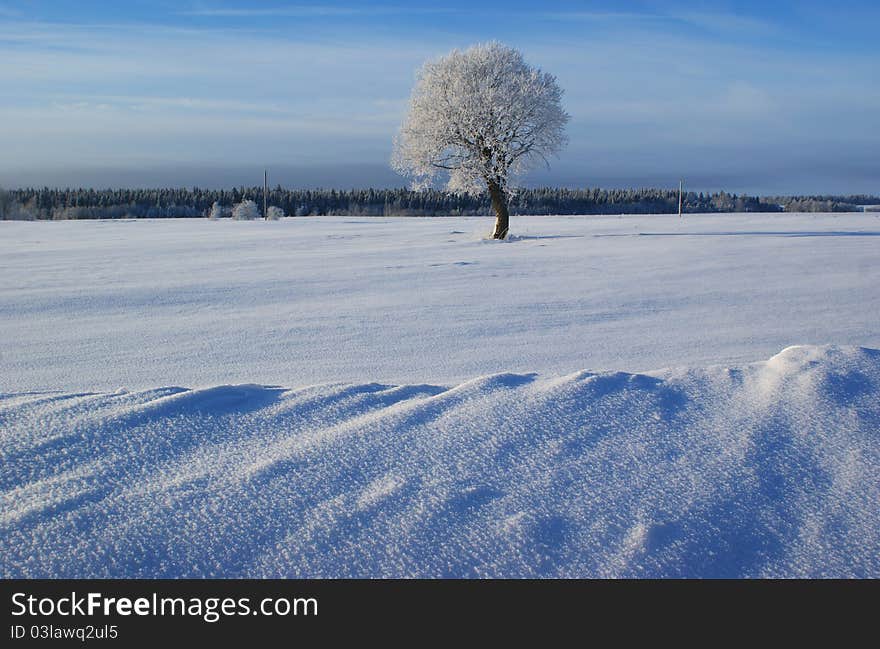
{"x":768,"y":469}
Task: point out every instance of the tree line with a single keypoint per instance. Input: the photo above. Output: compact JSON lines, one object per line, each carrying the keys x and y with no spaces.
{"x":52,"y":203}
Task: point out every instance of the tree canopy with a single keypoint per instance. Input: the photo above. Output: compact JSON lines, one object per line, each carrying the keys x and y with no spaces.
{"x":483,"y":116}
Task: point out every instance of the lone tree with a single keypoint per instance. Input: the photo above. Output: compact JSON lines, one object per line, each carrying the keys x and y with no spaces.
{"x":484,"y":116}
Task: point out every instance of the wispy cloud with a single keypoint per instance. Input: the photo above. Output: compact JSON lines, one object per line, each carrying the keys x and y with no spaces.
{"x":597,"y":16}
{"x":183,"y":103}
{"x":302,"y":11}
{"x":727,"y":22}
{"x":639,"y":86}
{"x":216,"y":95}
{"x":713,"y":21}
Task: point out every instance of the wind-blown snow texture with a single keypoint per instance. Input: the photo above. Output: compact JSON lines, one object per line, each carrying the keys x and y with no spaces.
{"x":737,"y":469}
{"x":772,"y":469}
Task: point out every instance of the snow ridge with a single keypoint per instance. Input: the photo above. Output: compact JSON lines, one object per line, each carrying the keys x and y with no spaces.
{"x":767,"y":469}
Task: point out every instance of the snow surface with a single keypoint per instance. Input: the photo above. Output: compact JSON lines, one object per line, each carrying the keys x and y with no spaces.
{"x":102,"y":305}
{"x":399,"y":397}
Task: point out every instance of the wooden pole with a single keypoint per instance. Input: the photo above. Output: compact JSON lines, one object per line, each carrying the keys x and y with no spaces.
{"x":680,"y":187}
{"x":265,"y":194}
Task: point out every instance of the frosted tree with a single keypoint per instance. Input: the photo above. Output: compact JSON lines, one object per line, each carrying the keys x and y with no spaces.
{"x":217,"y":210}
{"x":245,"y":211}
{"x":275,"y":213}
{"x":484,"y":116}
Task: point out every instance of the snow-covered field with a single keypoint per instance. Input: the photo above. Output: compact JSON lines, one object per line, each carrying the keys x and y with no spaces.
{"x":400,"y":397}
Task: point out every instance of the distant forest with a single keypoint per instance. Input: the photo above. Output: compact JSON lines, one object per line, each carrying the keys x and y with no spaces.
{"x":46,"y":203}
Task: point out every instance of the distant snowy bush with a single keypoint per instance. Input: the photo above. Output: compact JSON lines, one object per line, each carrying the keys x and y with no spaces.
{"x":275,"y":213}
{"x":218,"y":211}
{"x":245,"y":211}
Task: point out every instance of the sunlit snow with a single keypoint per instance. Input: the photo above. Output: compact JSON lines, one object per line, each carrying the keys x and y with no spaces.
{"x":401,"y":397}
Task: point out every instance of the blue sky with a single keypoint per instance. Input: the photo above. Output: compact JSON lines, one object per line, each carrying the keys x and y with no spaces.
{"x":745,"y":96}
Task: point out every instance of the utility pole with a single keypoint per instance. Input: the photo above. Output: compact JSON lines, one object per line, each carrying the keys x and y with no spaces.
{"x":680,"y":187}
{"x":266,"y":195}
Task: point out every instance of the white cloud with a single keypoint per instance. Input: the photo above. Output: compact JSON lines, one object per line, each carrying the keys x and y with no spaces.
{"x":716,"y":21}
{"x":744,"y":99}
{"x":598,"y":16}
{"x":302,"y":11}
{"x":726,"y":22}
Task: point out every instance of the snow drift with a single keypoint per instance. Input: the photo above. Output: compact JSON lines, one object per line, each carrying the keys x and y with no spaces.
{"x":762,"y":470}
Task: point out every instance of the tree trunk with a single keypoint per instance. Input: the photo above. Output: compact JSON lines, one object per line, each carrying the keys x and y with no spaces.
{"x":502,"y":216}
